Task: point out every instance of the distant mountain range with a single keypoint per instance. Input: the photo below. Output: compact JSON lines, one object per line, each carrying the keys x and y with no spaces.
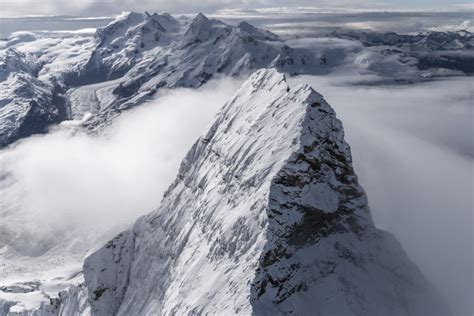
{"x":130,"y":59}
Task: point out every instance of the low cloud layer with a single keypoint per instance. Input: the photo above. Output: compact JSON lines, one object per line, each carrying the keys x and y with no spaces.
{"x":51,"y":185}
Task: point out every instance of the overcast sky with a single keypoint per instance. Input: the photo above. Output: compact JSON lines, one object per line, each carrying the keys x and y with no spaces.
{"x":12,"y":8}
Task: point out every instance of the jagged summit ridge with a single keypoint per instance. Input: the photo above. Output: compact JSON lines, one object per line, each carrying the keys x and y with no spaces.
{"x":266,"y":217}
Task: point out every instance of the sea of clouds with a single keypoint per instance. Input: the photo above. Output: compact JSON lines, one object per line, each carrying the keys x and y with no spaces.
{"x":67,"y":181}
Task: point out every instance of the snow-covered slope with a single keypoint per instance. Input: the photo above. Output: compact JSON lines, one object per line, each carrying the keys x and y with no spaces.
{"x":27,"y":105}
{"x":195,"y":50}
{"x":266,"y":217}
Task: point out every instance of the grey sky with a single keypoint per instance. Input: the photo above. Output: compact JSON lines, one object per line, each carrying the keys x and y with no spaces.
{"x":11,"y":8}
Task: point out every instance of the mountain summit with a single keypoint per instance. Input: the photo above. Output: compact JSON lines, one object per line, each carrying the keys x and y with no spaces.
{"x":265,"y":217}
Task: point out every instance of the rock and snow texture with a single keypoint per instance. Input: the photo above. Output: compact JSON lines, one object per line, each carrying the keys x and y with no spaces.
{"x":27,"y":105}
{"x":265,"y":217}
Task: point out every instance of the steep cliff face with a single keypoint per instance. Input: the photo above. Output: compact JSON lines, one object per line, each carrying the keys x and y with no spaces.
{"x":265,"y":217}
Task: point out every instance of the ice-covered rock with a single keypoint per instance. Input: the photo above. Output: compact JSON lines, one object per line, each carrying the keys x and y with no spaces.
{"x":265,"y":217}
{"x":257,"y":33}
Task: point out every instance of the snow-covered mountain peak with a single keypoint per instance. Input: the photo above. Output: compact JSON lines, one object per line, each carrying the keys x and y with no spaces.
{"x":201,"y":28}
{"x":143,"y":57}
{"x":138,"y":53}
{"x":167,"y":21}
{"x":198,"y":22}
{"x":132,"y":28}
{"x":11,"y":61}
{"x":118,"y":27}
{"x":200,"y":19}
{"x":297,"y":61}
{"x":266,"y":217}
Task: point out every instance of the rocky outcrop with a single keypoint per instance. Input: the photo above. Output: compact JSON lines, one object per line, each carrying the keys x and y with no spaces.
{"x":27,"y":105}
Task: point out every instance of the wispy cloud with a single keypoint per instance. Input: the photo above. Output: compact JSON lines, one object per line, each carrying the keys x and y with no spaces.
{"x":55,"y":186}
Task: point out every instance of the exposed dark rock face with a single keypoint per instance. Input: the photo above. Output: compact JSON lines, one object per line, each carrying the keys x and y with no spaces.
{"x":27,"y":105}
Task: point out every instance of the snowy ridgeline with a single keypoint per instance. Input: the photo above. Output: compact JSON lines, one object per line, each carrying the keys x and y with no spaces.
{"x":266,"y":217}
